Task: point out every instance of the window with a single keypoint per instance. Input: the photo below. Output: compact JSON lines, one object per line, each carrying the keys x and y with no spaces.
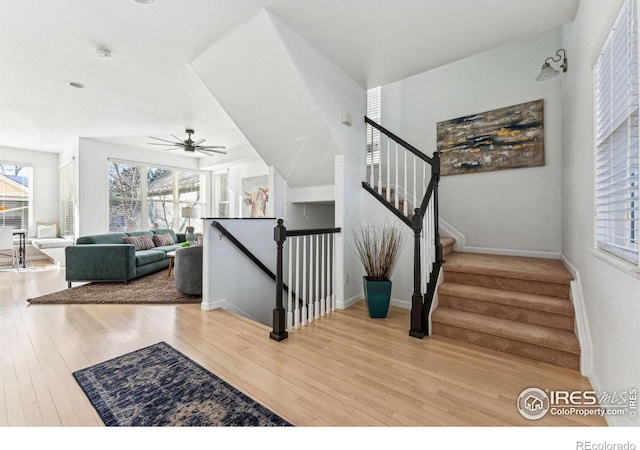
{"x":142,"y":197}
{"x":617,"y":175}
{"x":67,"y":198}
{"x":15,"y":195}
{"x":221,"y":189}
{"x":373,"y":135}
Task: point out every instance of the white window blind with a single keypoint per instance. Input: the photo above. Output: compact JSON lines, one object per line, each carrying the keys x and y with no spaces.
{"x":67,"y":198}
{"x":617,"y":174}
{"x":374,"y":112}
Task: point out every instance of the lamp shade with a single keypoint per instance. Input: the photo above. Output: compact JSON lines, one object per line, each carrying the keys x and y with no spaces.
{"x":189,"y":212}
{"x":546,"y":72}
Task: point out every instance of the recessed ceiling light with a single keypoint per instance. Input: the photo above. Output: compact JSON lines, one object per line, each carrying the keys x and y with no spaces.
{"x":103,"y":52}
{"x":75,"y":84}
{"x":145,"y":2}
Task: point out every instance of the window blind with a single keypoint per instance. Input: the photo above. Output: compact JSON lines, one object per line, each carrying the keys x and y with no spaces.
{"x":67,"y":198}
{"x":617,"y":174}
{"x":374,"y":112}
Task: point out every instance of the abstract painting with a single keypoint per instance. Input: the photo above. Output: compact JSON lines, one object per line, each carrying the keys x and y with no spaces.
{"x":505,"y":138}
{"x":255,"y":191}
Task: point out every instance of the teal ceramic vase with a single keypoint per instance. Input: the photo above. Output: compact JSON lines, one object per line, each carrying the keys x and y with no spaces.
{"x":377,"y":295}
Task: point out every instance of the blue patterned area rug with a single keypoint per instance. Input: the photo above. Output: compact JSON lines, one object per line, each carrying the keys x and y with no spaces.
{"x":159,"y":386}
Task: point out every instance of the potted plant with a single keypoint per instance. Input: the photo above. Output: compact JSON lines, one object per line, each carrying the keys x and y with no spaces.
{"x":378,"y":248}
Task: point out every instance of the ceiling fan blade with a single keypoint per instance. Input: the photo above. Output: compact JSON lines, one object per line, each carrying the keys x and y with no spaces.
{"x":176,"y":137}
{"x":212,"y":146}
{"x":199,"y":141}
{"x":164,"y":140}
{"x":206,"y":151}
{"x":170,"y":145}
{"x":174,"y":148}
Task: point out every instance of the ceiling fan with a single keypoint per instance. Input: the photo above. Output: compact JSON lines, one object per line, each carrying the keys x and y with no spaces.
{"x":189,"y":145}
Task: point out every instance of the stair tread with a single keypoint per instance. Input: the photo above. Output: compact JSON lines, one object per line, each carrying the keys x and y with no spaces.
{"x":510,"y":298}
{"x":554,"y":338}
{"x":516,"y":267}
{"x":444,"y":240}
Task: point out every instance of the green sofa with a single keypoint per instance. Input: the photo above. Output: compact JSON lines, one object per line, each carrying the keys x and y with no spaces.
{"x":106,"y":257}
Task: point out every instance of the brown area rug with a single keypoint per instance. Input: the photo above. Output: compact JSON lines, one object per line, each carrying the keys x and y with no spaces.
{"x":156,"y":288}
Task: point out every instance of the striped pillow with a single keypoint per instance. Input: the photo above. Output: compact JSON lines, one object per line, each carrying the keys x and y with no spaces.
{"x":143,"y":242}
{"x":162,"y":240}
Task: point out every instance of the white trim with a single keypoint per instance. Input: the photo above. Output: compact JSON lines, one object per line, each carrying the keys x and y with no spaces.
{"x":227,"y":305}
{"x":512,"y":252}
{"x":624,"y":266}
{"x":349,"y":302}
{"x":404,"y":304}
{"x":434,"y":304}
{"x":581,"y":320}
{"x":446,"y":229}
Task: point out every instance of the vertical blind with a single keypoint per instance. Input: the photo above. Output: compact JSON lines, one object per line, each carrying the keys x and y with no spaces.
{"x":617,"y":174}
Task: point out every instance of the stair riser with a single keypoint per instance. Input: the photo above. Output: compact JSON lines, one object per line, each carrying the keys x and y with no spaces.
{"x":552,"y":356}
{"x":508,"y":284}
{"x":508,"y":312}
{"x":447,"y":249}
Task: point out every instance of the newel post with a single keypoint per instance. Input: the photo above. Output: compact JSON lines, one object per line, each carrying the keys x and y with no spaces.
{"x":418,"y":325}
{"x":279,"y":332}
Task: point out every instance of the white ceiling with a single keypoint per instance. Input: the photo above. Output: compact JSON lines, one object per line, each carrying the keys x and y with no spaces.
{"x":148,"y":87}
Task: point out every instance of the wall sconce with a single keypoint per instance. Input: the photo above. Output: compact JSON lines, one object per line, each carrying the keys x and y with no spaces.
{"x":548,"y":71}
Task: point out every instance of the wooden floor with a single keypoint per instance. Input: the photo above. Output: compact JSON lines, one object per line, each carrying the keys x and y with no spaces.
{"x":345,"y":370}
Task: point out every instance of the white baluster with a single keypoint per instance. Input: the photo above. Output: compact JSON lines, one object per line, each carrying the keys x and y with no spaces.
{"x":406,"y":192}
{"x":311,"y":280}
{"x":415,"y":199}
{"x":323,"y":279}
{"x":297,"y":308}
{"x":388,"y":185}
{"x":395,"y":184}
{"x":380,"y":167}
{"x":316,"y":307}
{"x":290,"y":292}
{"x":304,"y":281}
{"x":333,"y":273}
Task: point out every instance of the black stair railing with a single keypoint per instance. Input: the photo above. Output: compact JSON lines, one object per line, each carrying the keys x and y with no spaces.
{"x":310,"y":268}
{"x":394,"y":169}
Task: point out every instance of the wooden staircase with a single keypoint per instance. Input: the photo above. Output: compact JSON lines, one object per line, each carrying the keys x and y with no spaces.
{"x":511,"y":304}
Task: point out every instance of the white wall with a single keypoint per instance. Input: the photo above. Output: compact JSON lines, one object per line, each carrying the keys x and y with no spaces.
{"x":45,"y":182}
{"x":517,"y":209}
{"x":611,"y":295}
{"x":231,"y":280}
{"x":93,"y":166}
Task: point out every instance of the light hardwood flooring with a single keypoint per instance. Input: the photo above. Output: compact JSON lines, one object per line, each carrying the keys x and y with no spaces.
{"x":344,"y":370}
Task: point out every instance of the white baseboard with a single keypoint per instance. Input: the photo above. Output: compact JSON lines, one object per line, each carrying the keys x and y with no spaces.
{"x":225,"y":304}
{"x":404,"y":304}
{"x":349,"y":302}
{"x":582,"y":321}
{"x":512,"y":252}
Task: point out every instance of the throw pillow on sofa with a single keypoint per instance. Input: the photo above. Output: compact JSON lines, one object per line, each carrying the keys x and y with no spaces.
{"x":161,"y":240}
{"x":143,"y":242}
